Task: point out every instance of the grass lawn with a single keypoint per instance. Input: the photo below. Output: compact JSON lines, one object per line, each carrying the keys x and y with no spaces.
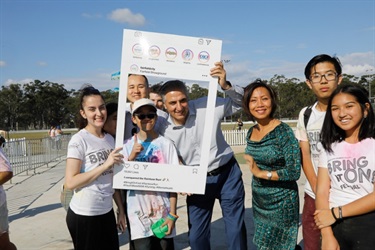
{"x":35,"y":134}
{"x":28,"y":135}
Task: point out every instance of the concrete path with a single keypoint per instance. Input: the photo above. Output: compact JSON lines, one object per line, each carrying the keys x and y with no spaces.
{"x":37,"y":220}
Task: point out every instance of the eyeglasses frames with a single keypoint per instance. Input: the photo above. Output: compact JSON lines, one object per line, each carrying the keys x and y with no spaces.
{"x":317,"y":78}
{"x":144,"y":116}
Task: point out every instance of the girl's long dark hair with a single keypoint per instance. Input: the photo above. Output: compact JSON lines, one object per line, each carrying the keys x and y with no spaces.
{"x":86,"y":90}
{"x":332,"y":133}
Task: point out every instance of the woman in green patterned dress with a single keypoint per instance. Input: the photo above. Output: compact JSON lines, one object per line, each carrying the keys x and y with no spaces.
{"x":273,"y":156}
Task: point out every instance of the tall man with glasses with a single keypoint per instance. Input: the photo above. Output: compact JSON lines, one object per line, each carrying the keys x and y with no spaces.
{"x":224,"y":177}
{"x":323,"y":75}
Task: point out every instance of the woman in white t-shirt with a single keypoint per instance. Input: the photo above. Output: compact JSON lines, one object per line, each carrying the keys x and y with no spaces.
{"x":345,"y":198}
{"x":89,"y":172}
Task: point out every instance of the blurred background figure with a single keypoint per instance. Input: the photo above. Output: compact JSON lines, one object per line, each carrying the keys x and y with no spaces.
{"x":156,"y":97}
{"x":52,"y":135}
{"x":58,"y":135}
{"x":110,"y":123}
{"x":239,"y":124}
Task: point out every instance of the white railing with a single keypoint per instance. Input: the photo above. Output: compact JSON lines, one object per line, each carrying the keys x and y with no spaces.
{"x":235,"y":137}
{"x":238,"y":137}
{"x":28,"y":154}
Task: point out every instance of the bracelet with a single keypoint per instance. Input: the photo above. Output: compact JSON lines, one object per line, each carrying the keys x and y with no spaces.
{"x":333,"y":213}
{"x":340,"y":212}
{"x":172,"y":217}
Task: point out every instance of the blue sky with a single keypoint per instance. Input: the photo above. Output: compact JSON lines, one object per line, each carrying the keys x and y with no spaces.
{"x":76,"y":42}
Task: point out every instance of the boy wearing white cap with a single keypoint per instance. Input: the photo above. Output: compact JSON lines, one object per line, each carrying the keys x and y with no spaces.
{"x":144,"y":208}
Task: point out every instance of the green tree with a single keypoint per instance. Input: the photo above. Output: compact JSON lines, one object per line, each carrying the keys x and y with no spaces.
{"x":196,"y":91}
{"x":45,"y":101}
{"x":11,"y":103}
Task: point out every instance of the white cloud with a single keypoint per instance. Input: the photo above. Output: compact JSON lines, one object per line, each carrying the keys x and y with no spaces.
{"x":41,"y":63}
{"x":2,"y":63}
{"x":21,"y":81}
{"x":358,"y":63}
{"x":126,"y":16}
{"x":91,"y":16}
{"x":242,"y":73}
{"x":301,"y":46}
{"x":370,"y":28}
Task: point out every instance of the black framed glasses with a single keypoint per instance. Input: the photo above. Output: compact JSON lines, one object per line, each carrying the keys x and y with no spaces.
{"x":317,"y":78}
{"x":144,"y":116}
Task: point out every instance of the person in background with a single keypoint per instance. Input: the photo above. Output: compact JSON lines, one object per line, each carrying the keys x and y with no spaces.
{"x":224,"y":177}
{"x":273,"y":155}
{"x":156,"y":97}
{"x":52,"y":136}
{"x":111,"y":122}
{"x":239,"y":124}
{"x":323,"y":75}
{"x":58,"y":135}
{"x":345,"y":197}
{"x":6,"y":173}
{"x":89,"y":172}
{"x":145,"y":208}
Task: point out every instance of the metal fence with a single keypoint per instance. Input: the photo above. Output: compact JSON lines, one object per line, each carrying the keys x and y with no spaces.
{"x":26,"y":155}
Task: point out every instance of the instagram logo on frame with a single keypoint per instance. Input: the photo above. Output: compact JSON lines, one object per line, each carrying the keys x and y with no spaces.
{"x":170,"y":53}
{"x":154,"y":51}
{"x":203,"y":56}
{"x":137,"y":49}
{"x":187,"y":55}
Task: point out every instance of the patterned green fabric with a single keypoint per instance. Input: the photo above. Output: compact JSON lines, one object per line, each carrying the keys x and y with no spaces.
{"x":276,"y":203}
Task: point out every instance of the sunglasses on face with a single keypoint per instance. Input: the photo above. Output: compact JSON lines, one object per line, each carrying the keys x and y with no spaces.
{"x":143,"y":116}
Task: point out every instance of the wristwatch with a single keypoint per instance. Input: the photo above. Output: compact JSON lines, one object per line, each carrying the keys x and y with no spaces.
{"x":269,"y":175}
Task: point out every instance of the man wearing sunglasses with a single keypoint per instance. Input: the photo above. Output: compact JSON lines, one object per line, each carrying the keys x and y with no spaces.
{"x":224,"y":177}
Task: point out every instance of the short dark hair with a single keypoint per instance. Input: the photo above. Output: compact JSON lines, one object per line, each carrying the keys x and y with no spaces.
{"x":2,"y":140}
{"x":111,"y":108}
{"x":145,"y":77}
{"x":323,"y":58}
{"x":173,"y":85}
{"x":86,"y":90}
{"x":249,"y":89}
{"x":332,"y":133}
{"x":156,"y":88}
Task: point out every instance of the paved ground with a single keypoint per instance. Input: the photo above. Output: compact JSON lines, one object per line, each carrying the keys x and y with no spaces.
{"x":37,"y":220}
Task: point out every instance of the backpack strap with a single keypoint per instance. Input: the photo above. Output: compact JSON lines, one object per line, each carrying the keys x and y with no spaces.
{"x":306,"y":115}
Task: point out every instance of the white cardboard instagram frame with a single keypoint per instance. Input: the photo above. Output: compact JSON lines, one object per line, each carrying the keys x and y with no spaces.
{"x":173,"y":57}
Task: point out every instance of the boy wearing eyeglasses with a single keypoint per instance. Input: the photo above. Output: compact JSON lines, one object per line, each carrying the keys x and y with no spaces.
{"x":145,"y":208}
{"x":323,"y":75}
